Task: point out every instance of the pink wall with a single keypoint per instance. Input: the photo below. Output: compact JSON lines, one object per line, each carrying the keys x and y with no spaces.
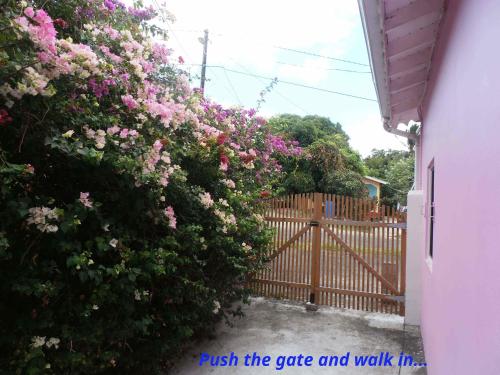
{"x":461,"y":131}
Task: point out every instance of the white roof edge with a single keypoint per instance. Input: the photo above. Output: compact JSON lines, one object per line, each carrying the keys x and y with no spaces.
{"x":369,"y":11}
{"x":376,"y":179}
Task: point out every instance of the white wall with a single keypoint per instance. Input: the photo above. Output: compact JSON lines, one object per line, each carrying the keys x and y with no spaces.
{"x":415,"y":237}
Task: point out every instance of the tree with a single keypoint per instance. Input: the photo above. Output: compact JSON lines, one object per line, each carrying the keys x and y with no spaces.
{"x":328,"y":163}
{"x":400,"y":179}
{"x":397,"y":168}
{"x":306,"y":130}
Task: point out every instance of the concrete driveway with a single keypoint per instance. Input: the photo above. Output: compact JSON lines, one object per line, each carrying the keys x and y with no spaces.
{"x":272,"y":328}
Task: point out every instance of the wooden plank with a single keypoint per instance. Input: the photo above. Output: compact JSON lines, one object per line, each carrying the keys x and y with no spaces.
{"x":316,"y":244}
{"x":365,"y":223}
{"x":282,"y":283}
{"x":346,"y":247}
{"x":291,"y":240}
{"x":347,"y":292}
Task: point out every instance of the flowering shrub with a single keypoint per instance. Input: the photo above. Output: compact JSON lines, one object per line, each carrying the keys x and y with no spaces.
{"x":129,"y":214}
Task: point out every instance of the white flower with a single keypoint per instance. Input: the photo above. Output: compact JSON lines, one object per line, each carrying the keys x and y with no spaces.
{"x":137,"y":295}
{"x":53,"y":342}
{"x":38,"y":341}
{"x":229,"y":183}
{"x":41,"y":217}
{"x":90,"y":262}
{"x":223,"y":202}
{"x":95,"y":307}
{"x":206,"y":200}
{"x":105,"y":227}
{"x":246,"y":247}
{"x":216,"y":307}
{"x":113,"y":242}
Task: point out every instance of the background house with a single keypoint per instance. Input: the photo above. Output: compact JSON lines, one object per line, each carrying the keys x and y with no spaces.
{"x":436,"y":62}
{"x":374,"y":186}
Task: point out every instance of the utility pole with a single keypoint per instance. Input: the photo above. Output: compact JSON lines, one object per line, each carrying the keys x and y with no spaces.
{"x":204,"y":63}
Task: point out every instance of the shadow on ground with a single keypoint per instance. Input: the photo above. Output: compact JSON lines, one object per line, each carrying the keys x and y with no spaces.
{"x":275,"y":328}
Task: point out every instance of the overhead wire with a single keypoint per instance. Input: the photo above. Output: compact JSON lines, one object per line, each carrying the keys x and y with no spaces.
{"x":288,"y":100}
{"x":322,"y":56}
{"x":303,"y":52}
{"x":232,"y":87}
{"x":293,"y":83}
{"x":320,"y":68}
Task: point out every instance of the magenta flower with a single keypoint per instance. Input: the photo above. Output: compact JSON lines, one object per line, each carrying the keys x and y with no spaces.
{"x":110,"y":5}
{"x":130,"y":102}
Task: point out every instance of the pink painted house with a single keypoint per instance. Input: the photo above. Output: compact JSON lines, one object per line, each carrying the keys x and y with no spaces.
{"x":437,"y":62}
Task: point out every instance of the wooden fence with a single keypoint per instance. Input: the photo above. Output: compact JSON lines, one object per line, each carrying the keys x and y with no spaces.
{"x":335,"y":250}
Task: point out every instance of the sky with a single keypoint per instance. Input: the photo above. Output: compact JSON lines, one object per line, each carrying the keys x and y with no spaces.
{"x":244,"y":36}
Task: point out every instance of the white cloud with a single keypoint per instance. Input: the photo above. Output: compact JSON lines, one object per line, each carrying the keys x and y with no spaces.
{"x":248,"y":31}
{"x":367,"y":133}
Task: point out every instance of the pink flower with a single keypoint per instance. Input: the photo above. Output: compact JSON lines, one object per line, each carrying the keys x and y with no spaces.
{"x":112,"y":33}
{"x":29,"y":12}
{"x":85,"y":200}
{"x":41,"y":31}
{"x":113,"y":130}
{"x":161,"y":53}
{"x":172,"y":221}
{"x":130,"y":102}
{"x":124,"y":133}
{"x":158,"y":145}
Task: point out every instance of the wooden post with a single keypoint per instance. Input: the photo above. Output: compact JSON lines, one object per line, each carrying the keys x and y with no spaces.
{"x":316,"y":246}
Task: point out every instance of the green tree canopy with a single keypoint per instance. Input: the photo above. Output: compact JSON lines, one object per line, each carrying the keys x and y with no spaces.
{"x":328,"y":163}
{"x":306,"y":130}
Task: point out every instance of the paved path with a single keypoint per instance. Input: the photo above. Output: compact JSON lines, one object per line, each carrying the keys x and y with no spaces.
{"x":275,"y":328}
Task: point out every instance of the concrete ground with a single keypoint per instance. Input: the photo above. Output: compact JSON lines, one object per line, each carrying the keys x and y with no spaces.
{"x":284,"y":329}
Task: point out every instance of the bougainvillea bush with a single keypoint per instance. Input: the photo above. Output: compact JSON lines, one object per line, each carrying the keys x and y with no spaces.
{"x":129,"y":205}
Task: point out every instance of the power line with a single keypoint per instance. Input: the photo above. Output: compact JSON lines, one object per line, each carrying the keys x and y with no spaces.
{"x":322,"y":56}
{"x":232,"y":87}
{"x":224,"y":84}
{"x":302,"y":52}
{"x":275,"y":90}
{"x":294,"y":83}
{"x":320,"y":68}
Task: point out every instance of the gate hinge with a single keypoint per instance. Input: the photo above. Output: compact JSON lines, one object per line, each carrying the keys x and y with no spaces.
{"x":314,"y":223}
{"x":396,"y":298}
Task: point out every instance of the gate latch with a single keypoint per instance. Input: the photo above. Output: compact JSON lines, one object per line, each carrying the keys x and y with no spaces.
{"x":313,"y":223}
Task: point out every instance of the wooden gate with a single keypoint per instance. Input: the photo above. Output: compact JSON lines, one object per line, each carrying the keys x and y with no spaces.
{"x":336,"y":250}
